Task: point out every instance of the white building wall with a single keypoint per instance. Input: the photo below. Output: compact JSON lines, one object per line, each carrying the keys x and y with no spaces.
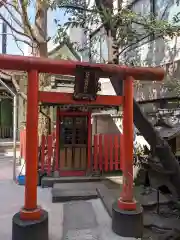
{"x":155,"y":53}
{"x":160,"y":51}
{"x":77,"y":35}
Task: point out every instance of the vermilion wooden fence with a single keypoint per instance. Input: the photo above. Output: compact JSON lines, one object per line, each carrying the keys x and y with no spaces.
{"x":47,"y":153}
{"x":107,"y":152}
{"x":23,"y":143}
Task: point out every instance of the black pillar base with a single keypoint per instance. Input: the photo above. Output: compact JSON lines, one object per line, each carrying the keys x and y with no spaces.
{"x":127,"y":223}
{"x":30,"y":230}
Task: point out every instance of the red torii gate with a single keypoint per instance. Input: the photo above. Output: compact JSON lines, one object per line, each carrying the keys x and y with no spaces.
{"x":32,"y":219}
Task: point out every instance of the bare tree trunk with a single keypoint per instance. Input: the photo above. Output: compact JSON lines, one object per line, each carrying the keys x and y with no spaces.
{"x":41,"y":50}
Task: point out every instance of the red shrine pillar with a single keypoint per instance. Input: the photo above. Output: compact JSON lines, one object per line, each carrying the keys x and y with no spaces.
{"x":31,"y":221}
{"x":127,"y":214}
{"x":126,"y":201}
{"x":30,"y":210}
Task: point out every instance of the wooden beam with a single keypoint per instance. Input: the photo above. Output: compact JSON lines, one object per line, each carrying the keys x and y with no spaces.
{"x":5,"y":97}
{"x":67,"y":98}
{"x":2,"y":88}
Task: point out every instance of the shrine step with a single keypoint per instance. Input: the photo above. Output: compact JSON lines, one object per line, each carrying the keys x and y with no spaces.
{"x":62,"y":192}
{"x":50,"y":181}
{"x":72,"y":195}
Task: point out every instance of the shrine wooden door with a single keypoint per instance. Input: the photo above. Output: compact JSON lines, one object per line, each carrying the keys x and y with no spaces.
{"x":73,"y":144}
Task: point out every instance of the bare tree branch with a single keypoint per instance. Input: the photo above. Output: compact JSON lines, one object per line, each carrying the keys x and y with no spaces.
{"x":41,"y":22}
{"x":134,"y":43}
{"x":13,"y":17}
{"x":16,"y":85}
{"x":13,"y":28}
{"x":78,"y":8}
{"x":5,"y":3}
{"x":26,"y":22}
{"x":17,"y":39}
{"x":16,"y":42}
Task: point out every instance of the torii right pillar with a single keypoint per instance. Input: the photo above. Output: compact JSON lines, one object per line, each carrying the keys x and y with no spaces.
{"x":127,"y":213}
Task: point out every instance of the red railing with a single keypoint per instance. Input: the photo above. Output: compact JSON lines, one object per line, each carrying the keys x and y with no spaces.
{"x":108,"y":152}
{"x":23,"y":144}
{"x":47,"y":153}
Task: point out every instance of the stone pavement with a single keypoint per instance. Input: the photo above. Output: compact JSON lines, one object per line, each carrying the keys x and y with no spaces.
{"x":65,"y":220}
{"x":78,"y":220}
{"x":6,"y":168}
{"x":87,"y":220}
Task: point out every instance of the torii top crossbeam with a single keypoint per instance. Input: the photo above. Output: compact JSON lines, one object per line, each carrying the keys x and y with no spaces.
{"x":64,"y":67}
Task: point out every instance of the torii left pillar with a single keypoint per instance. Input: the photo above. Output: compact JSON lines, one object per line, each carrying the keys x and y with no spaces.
{"x":31,"y":223}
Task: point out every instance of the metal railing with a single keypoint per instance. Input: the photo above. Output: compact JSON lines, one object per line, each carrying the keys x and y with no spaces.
{"x":6,"y":132}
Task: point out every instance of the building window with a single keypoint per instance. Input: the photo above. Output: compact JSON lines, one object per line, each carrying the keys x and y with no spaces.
{"x":99,"y":48}
{"x":158,"y":8}
{"x":162,"y":8}
{"x":142,"y":7}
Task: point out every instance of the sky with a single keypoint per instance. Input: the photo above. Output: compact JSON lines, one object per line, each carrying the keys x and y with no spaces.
{"x":12,"y":47}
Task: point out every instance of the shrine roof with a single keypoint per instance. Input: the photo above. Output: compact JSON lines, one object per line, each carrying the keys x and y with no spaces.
{"x":168,"y":133}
